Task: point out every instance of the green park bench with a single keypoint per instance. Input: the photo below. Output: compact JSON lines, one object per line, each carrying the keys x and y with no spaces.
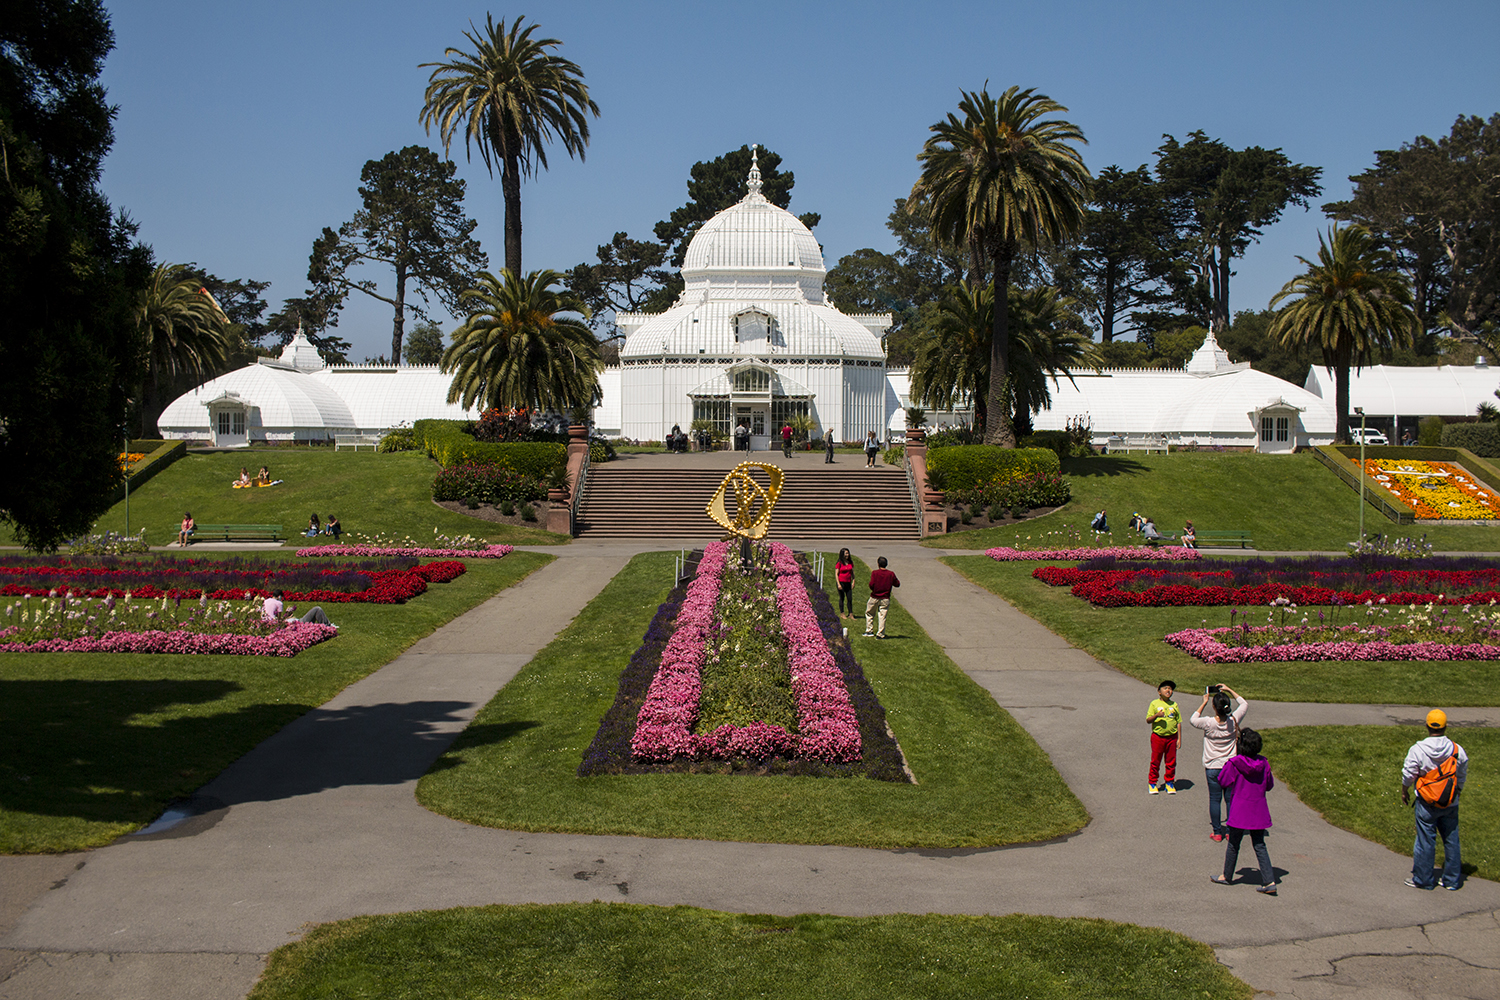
{"x":1224,"y":539}
{"x":236,"y":532}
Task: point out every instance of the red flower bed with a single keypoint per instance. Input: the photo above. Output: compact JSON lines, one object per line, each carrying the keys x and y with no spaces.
{"x":1106,"y":588}
{"x":386,"y":586}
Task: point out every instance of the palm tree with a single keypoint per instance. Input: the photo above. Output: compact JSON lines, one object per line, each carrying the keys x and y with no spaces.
{"x":513,"y":350}
{"x":994,"y":178}
{"x":182,"y":331}
{"x":510,"y":97}
{"x":1354,"y":301}
{"x":953,"y":358}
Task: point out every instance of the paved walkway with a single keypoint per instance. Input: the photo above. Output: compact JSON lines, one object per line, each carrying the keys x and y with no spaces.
{"x":319,"y":823}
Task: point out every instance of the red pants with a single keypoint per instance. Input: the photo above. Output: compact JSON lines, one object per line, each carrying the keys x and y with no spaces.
{"x":1163,"y":751}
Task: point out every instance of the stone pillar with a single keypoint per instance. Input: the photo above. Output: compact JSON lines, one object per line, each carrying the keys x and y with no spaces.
{"x":934,"y":519}
{"x":560,"y":516}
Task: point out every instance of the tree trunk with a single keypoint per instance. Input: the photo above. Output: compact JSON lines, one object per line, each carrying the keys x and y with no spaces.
{"x":510,"y":187}
{"x":1220,"y":317}
{"x":398,"y":327}
{"x":1341,"y":401}
{"x":1107,"y":334}
{"x":997,"y":405}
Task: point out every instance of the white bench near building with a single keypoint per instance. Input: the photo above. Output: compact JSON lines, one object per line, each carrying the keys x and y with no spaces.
{"x":356,"y":441}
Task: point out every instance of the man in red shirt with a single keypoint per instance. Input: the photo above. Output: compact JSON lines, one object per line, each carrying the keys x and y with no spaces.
{"x":786,"y":440}
{"x":881,"y":582}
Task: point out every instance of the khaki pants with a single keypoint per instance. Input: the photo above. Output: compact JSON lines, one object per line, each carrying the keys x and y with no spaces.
{"x":884,"y":604}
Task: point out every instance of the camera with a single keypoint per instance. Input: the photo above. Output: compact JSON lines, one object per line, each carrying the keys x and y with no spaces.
{"x":1214,"y":688}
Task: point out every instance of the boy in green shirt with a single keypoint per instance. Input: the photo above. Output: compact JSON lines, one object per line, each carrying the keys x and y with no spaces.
{"x":1166,"y":736}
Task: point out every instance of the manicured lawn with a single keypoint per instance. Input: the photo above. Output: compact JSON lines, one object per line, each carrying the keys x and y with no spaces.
{"x":370,"y":494}
{"x":1352,"y":775}
{"x":982,"y":781}
{"x":620,"y":951}
{"x":1290,"y":503}
{"x":95,"y":745}
{"x":1130,"y":639}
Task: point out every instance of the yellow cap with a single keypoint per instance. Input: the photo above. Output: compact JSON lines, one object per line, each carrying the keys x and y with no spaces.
{"x":1437,"y":719}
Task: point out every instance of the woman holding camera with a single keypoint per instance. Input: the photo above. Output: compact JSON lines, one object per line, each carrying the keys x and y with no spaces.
{"x":1220,"y":733}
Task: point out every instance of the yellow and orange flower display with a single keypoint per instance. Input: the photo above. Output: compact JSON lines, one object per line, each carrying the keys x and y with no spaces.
{"x":1437,"y":491}
{"x":128,"y":460}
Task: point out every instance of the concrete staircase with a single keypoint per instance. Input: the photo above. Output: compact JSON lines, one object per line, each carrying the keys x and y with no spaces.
{"x":842,"y":501}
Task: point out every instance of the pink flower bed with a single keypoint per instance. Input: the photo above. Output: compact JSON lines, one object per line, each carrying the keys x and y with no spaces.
{"x":664,"y":727}
{"x":488,"y":552}
{"x":1171,"y":553}
{"x":827,"y":726}
{"x":287,"y":641}
{"x":1205,"y":645}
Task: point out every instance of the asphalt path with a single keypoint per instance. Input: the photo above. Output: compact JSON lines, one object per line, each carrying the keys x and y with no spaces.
{"x":320,"y":823}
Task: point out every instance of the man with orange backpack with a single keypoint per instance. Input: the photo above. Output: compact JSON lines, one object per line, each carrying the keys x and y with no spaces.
{"x":1436,"y":767}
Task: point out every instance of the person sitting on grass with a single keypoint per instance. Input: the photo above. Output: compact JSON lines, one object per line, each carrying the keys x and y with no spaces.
{"x":185,"y":533}
{"x":244,"y":479}
{"x":333,"y":527}
{"x":1153,"y":537}
{"x":265,"y":476}
{"x":1189,"y":537}
{"x":271,"y":611}
{"x":314,"y":529}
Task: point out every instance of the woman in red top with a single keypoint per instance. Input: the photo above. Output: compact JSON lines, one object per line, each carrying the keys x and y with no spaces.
{"x":844,"y":567}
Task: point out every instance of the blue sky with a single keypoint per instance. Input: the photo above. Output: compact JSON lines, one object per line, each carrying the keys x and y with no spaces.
{"x":243,"y":127}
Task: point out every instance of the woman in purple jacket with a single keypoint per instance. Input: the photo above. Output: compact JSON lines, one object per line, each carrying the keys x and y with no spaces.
{"x":1246,"y":779}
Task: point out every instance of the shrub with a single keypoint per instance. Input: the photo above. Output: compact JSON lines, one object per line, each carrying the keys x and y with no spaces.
{"x":969,"y":466}
{"x":399,"y":439}
{"x":1058,"y":442}
{"x":1482,"y":439}
{"x":1430,"y":432}
{"x":600,"y":450}
{"x":445,"y":441}
{"x":1019,"y":492}
{"x":484,"y":483}
{"x":967,"y":516}
{"x":954,"y":436}
{"x":506,"y":507}
{"x":528,"y":512}
{"x":894,"y":455}
{"x":996,"y":513}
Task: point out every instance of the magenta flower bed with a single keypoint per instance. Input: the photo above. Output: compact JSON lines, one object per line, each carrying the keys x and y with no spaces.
{"x":1132,"y":552}
{"x":1206,"y":645}
{"x":827,"y":726}
{"x":289,"y":640}
{"x":488,"y":552}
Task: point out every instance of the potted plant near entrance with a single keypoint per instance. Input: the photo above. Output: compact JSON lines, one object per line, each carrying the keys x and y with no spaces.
{"x":935,"y":493}
{"x":915,"y":418}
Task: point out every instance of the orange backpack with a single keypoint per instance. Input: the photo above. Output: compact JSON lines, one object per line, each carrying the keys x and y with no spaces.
{"x":1439,"y":787}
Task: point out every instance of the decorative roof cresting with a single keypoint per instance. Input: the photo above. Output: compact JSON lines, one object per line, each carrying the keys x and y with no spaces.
{"x":753,"y":183}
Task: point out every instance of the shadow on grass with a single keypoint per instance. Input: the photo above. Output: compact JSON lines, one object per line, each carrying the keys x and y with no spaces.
{"x":1103,"y":465}
{"x":487,"y":734}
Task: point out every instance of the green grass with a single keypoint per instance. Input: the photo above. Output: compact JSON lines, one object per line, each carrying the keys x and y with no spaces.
{"x":1352,"y":776}
{"x":1289,"y":503}
{"x":95,"y":745}
{"x":983,"y":780}
{"x":1130,"y":640}
{"x":621,"y":951}
{"x":370,"y":494}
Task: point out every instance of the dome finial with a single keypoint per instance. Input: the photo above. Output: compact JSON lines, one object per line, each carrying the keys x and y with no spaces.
{"x":754,"y":182}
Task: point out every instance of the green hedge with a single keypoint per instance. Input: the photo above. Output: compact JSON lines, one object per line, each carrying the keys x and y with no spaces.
{"x":159,"y":455}
{"x":967,"y":466}
{"x":445,"y":441}
{"x":1483,"y":439}
{"x":486,"y":484}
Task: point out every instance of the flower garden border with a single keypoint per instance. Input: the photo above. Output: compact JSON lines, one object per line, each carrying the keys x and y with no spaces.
{"x":289,"y":640}
{"x":1205,"y":645}
{"x":1168,"y":553}
{"x":611,"y":751}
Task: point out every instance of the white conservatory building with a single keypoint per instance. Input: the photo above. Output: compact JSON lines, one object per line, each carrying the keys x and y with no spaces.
{"x":753,"y":339}
{"x":1395,"y":398}
{"x":296,"y":397}
{"x":1209,"y":402}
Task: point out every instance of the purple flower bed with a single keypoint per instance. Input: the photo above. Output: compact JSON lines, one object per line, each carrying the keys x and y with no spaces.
{"x":1133,"y":552}
{"x":289,"y":640}
{"x":488,"y":552}
{"x":1206,"y":645}
{"x":759,"y":748}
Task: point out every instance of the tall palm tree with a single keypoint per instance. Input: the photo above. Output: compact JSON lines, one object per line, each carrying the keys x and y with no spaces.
{"x":953,"y":358}
{"x":510,"y":96}
{"x":1353,"y":302}
{"x":514,"y":350}
{"x":182,"y":331}
{"x":996,"y":177}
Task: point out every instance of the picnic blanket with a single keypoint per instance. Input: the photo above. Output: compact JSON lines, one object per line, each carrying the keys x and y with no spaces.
{"x":246,"y":486}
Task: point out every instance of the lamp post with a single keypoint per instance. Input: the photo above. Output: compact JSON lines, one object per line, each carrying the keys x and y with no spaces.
{"x":126,"y":463}
{"x":1361,"y":411}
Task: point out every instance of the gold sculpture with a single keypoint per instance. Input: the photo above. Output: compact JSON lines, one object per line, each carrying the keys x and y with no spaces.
{"x":753,"y":502}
